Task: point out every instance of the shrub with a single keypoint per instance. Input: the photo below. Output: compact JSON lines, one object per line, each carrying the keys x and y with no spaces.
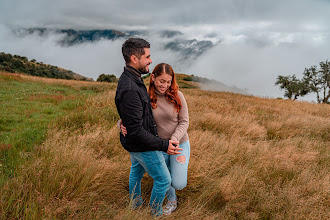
{"x":107,"y":78}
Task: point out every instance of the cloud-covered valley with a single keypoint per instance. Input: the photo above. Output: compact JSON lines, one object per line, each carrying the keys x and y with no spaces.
{"x":240,"y":43}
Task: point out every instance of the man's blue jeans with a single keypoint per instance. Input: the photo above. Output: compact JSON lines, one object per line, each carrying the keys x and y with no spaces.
{"x":153,"y":163}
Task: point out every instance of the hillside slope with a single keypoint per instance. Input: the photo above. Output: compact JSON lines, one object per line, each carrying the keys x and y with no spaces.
{"x":195,"y":82}
{"x":21,"y":64}
{"x":251,"y":158}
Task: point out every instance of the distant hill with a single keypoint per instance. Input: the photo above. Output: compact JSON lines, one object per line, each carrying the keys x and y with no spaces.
{"x":20,"y":64}
{"x":196,"y":82}
{"x":213,"y":85}
{"x":72,"y":36}
{"x":173,"y":40}
{"x":75,"y":37}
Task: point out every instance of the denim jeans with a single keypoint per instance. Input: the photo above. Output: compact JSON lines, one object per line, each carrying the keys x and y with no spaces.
{"x":153,"y":163}
{"x":178,"y":170}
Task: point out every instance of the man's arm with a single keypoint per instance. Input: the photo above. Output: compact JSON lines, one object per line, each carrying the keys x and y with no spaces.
{"x":132,"y":117}
{"x":173,"y":148}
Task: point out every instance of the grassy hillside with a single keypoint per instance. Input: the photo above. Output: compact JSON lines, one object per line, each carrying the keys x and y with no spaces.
{"x":251,"y":158}
{"x":20,"y":64}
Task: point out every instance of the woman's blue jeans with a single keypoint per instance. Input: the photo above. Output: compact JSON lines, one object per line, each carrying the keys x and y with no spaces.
{"x":178,"y":169}
{"x":153,"y":163}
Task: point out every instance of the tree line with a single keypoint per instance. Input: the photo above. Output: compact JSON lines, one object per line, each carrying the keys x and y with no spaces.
{"x":316,"y":79}
{"x":20,"y":64}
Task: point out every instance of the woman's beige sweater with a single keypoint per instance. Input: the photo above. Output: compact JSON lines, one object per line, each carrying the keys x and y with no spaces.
{"x":170,"y":124}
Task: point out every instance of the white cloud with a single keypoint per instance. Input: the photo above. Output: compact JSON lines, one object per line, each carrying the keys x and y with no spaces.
{"x":256,"y":40}
{"x":256,"y":68}
{"x":88,"y":59}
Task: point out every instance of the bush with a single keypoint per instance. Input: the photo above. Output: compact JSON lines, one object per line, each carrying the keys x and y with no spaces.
{"x":107,"y":78}
{"x":188,"y":78}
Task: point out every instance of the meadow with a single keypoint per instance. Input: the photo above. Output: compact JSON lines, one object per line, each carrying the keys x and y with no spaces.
{"x":251,"y":158}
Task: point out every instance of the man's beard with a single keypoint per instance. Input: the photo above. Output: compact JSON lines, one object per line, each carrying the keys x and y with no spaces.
{"x":144,"y":70}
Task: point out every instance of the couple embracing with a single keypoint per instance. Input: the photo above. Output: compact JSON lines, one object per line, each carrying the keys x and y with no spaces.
{"x":153,"y":127}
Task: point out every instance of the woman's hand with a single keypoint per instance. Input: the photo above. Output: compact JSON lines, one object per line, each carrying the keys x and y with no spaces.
{"x":123,"y":129}
{"x":173,"y":148}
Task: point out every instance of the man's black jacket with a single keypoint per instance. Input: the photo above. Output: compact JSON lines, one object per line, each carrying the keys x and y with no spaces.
{"x":134,"y":108}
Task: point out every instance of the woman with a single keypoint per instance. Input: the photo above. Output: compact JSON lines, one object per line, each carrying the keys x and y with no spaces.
{"x":170,"y":112}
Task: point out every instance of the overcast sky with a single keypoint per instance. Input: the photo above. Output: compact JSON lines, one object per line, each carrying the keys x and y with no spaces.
{"x":259,"y":39}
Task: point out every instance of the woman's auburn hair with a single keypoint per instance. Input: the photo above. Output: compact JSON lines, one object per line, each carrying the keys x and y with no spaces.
{"x":171,"y":93}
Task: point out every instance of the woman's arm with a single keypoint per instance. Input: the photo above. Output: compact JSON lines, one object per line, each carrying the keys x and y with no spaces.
{"x":183,"y":120}
{"x":121,"y":127}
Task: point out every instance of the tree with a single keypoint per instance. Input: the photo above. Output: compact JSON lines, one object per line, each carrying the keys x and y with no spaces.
{"x":312,"y":79}
{"x":107,"y":78}
{"x":325,"y":76}
{"x":293,"y":87}
{"x":317,"y":81}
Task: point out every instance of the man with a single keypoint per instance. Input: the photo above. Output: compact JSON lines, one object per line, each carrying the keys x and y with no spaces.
{"x":142,"y":141}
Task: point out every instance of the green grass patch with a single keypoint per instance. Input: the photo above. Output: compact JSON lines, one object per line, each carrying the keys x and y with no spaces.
{"x":26,"y":111}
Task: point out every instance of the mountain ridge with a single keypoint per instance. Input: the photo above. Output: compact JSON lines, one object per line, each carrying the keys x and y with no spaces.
{"x":176,"y":41}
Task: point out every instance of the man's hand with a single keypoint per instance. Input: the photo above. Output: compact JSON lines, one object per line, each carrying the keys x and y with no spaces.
{"x":173,"y":148}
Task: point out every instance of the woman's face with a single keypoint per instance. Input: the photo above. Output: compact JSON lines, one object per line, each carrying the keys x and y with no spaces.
{"x":162,"y":82}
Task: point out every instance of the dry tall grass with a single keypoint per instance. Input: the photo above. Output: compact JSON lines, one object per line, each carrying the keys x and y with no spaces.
{"x":251,"y":158}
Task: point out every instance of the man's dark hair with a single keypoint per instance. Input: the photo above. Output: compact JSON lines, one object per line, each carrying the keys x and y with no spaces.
{"x":134,"y":46}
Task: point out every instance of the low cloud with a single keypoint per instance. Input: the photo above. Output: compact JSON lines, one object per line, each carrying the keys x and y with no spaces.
{"x":255,"y":67}
{"x":88,"y":59}
{"x":243,"y":58}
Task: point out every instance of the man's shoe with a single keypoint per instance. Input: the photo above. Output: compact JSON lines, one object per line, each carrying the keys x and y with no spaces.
{"x":170,"y":207}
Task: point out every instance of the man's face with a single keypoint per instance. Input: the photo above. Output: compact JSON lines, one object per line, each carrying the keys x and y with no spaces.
{"x":144,"y":62}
